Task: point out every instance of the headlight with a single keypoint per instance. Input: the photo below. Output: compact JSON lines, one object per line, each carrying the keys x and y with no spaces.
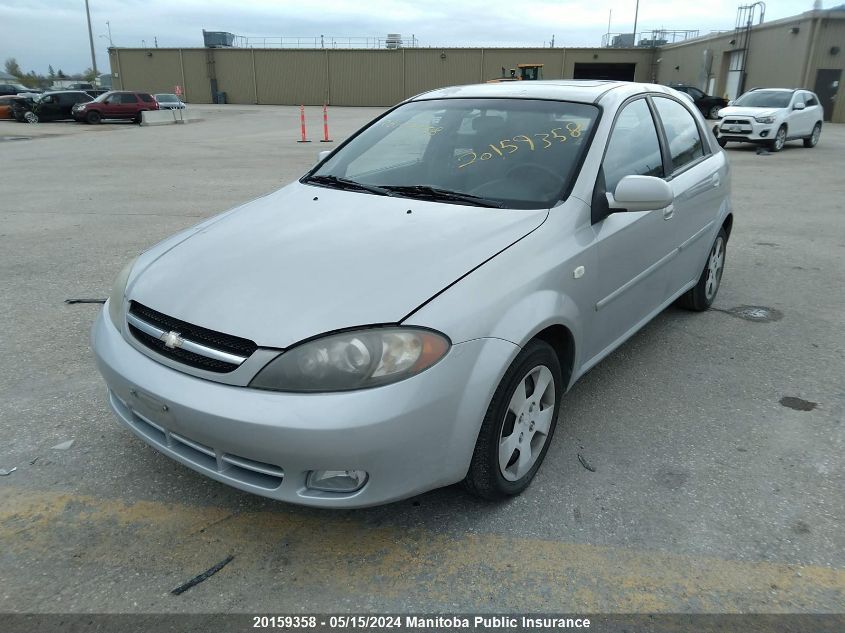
{"x":354,"y":360}
{"x":118,"y":289}
{"x":765,"y":119}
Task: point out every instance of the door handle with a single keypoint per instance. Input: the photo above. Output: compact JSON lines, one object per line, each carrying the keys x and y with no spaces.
{"x":668,"y":212}
{"x":716,"y":180}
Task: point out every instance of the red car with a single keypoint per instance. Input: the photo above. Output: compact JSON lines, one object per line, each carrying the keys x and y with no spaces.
{"x":117,"y":104}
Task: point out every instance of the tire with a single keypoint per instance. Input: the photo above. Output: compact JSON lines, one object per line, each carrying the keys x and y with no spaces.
{"x":714,"y":112}
{"x":722,"y":142}
{"x":701,"y":296}
{"x":777,"y":143}
{"x":487,"y":478}
{"x":31,"y":117}
{"x":94,"y":117}
{"x":813,"y":139}
{"x":138,"y":117}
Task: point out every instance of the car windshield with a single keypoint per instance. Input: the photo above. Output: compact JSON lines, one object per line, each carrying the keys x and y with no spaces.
{"x":103,"y":97}
{"x":765,"y":99}
{"x":166,"y":98}
{"x":516,"y":153}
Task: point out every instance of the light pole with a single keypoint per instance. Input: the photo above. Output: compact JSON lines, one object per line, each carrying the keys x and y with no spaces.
{"x":636,"y":15}
{"x":108,"y":26}
{"x":91,"y":41}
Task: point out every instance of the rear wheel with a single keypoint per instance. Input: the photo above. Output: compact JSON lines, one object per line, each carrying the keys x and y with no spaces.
{"x":813,"y":139}
{"x":93,"y":117}
{"x":777,"y":143}
{"x":518,"y":426}
{"x":139,"y":117}
{"x":701,"y":296}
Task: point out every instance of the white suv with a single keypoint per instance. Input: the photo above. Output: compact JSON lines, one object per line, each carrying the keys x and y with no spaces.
{"x":771,"y":116}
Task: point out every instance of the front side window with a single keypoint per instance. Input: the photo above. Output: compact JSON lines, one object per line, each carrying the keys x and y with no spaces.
{"x":633,"y":149}
{"x":682,"y":132}
{"x":520,"y":153}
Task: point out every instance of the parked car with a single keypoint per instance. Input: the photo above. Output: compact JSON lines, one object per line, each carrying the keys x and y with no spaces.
{"x":116,"y":104}
{"x":6,"y":107}
{"x":168,"y":101}
{"x":707,"y":104}
{"x":17,"y":89}
{"x":50,"y":106}
{"x":410,"y":313}
{"x":771,"y":117}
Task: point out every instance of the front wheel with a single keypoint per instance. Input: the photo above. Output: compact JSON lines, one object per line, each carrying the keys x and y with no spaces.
{"x":714,"y":112}
{"x":31,"y":117}
{"x":518,"y":426}
{"x":813,"y":139}
{"x":93,"y":117}
{"x":779,"y":141}
{"x":700,"y":297}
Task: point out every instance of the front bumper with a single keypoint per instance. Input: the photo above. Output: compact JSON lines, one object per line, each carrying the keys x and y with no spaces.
{"x":745,"y":131}
{"x":410,"y":437}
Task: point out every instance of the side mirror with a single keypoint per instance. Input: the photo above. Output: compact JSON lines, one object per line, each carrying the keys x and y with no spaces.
{"x":640,"y":193}
{"x":799,"y":105}
{"x":323,"y":155}
{"x":731,"y":102}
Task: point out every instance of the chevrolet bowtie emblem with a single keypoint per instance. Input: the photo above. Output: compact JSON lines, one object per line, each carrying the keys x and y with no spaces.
{"x":172,"y":339}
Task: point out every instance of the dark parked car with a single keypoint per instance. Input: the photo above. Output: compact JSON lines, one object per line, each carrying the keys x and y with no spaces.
{"x":116,"y":104}
{"x":50,"y":106}
{"x":707,"y":104}
{"x":16,"y":89}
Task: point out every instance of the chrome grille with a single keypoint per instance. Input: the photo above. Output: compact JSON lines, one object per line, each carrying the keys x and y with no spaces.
{"x":186,"y":343}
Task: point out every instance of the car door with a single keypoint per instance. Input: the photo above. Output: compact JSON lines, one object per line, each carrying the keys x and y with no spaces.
{"x":800,"y":120}
{"x":111,"y":106}
{"x":128,"y":105}
{"x":699,"y":182}
{"x":47,"y":107}
{"x":814,"y":109}
{"x":634,"y":248}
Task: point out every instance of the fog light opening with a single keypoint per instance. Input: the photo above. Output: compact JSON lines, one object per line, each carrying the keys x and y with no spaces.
{"x":336,"y":480}
{"x":764,"y":133}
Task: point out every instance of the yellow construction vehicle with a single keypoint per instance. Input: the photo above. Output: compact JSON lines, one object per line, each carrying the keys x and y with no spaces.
{"x":527,"y":72}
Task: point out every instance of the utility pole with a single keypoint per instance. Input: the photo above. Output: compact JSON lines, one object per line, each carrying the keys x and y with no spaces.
{"x":108,"y":26}
{"x":636,"y":15}
{"x":91,"y":41}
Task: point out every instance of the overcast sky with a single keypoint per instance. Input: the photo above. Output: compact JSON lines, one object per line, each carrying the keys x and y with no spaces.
{"x":42,"y":32}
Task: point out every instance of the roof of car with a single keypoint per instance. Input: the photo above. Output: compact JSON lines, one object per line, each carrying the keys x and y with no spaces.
{"x":583,"y":91}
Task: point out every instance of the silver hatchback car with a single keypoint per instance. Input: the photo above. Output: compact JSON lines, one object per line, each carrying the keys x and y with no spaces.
{"x":410,"y":313}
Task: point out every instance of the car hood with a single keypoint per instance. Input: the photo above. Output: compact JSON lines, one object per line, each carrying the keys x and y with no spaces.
{"x":745,"y":111}
{"x":307,"y":260}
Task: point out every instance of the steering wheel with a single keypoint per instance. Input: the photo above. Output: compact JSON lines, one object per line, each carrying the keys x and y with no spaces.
{"x":529,"y":173}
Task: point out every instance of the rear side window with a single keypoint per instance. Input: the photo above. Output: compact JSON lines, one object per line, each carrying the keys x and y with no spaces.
{"x":682,"y":133}
{"x":633,"y":149}
{"x":146,"y":98}
{"x":128,"y":98}
{"x":810,"y":99}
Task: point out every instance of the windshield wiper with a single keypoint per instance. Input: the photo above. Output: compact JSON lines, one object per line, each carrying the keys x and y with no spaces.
{"x":344,"y":183}
{"x":433,"y":193}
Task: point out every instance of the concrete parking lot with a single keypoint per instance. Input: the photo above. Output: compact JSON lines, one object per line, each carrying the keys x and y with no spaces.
{"x":713,"y":490}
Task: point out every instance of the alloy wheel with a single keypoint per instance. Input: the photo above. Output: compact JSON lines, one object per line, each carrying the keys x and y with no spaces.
{"x":780,"y":139}
{"x":715,"y":265}
{"x":817,"y":131}
{"x":527,"y":423}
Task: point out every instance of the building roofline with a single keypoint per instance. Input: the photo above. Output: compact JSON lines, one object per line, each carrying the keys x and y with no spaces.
{"x":830,"y":14}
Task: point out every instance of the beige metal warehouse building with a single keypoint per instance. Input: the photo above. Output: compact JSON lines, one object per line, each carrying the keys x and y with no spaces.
{"x":803,"y":51}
